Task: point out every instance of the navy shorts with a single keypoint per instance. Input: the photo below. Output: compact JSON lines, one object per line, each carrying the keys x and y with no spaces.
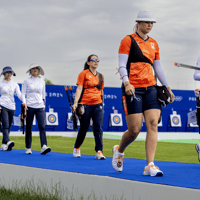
{"x":145,"y":99}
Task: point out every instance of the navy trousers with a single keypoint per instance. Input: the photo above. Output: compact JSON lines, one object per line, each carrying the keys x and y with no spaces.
{"x":7,"y":119}
{"x":41,"y":119}
{"x":96,"y":113}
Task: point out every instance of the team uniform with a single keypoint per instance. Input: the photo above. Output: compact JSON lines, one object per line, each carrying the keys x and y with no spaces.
{"x":137,"y":60}
{"x":7,"y":102}
{"x":92,"y":101}
{"x":33,"y":95}
{"x":141,"y":56}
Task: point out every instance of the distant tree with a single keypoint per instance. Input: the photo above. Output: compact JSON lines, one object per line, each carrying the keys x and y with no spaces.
{"x":48,"y":82}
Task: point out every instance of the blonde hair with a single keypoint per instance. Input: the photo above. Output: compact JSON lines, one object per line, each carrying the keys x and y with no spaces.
{"x":135,"y":28}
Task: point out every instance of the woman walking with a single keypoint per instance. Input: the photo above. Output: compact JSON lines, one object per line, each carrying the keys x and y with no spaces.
{"x":7,"y":90}
{"x":89,"y":92}
{"x":33,"y":97}
{"x":137,"y":54}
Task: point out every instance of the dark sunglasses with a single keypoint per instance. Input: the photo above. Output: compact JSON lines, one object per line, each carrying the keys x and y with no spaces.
{"x":149,"y":22}
{"x":95,"y":60}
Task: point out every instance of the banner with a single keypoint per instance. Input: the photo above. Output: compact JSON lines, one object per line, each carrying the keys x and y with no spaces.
{"x":56,"y":98}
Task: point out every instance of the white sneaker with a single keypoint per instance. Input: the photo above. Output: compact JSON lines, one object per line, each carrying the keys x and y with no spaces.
{"x":197,"y":146}
{"x":117,"y":161}
{"x":99,"y":155}
{"x":28,"y":151}
{"x":45,"y":150}
{"x":77,"y":152}
{"x":4,"y":147}
{"x":152,"y":170}
{"x":10,"y":145}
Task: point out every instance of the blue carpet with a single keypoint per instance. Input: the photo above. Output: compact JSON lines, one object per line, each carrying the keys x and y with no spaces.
{"x":175,"y":174}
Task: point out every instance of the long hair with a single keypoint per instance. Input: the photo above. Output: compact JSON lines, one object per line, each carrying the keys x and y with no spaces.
{"x":86,"y":66}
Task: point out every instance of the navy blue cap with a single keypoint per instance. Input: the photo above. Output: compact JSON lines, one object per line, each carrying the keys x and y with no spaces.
{"x":8,"y":69}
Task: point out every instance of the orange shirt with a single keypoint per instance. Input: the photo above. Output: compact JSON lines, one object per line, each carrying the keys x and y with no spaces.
{"x":141,"y":73}
{"x":88,"y":80}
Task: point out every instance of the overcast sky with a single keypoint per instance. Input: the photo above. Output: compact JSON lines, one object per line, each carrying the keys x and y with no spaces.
{"x":60,"y":35}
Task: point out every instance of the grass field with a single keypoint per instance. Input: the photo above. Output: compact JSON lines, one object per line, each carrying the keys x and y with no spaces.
{"x":166,"y":151}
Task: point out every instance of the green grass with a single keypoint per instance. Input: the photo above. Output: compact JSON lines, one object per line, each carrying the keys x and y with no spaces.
{"x":30,"y":191}
{"x":166,"y":151}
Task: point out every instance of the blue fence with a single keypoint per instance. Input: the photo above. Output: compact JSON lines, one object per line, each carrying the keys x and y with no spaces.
{"x":57,"y":99}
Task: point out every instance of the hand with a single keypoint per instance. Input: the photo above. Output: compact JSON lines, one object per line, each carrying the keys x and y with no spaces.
{"x":129,"y":89}
{"x":172,"y":95}
{"x":74,"y":107}
{"x":25,"y":109}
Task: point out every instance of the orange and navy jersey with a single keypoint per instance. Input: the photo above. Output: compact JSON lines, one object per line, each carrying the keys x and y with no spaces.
{"x":139,"y":65}
{"x":91,"y":94}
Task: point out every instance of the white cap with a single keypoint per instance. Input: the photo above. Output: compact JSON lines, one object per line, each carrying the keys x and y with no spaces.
{"x":145,"y":15}
{"x":36,"y":65}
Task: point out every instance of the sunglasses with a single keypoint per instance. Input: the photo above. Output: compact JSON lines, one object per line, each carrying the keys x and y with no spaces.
{"x":149,"y":22}
{"x":95,"y":60}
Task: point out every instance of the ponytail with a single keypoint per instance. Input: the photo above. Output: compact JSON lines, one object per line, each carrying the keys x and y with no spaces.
{"x":86,"y":66}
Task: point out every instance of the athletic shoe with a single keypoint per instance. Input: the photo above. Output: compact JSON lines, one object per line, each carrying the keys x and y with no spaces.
{"x":45,"y":150}
{"x":10,"y":145}
{"x":4,"y":147}
{"x":99,"y":155}
{"x":77,"y":152}
{"x":117,"y":161}
{"x":197,"y":146}
{"x":28,"y":151}
{"x":152,"y":170}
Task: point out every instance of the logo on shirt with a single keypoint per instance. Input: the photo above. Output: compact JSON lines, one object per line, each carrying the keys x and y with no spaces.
{"x":90,"y":76}
{"x":152,"y":46}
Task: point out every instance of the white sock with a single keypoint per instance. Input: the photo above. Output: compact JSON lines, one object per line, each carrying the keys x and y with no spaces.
{"x":120,"y":154}
{"x":151,"y":163}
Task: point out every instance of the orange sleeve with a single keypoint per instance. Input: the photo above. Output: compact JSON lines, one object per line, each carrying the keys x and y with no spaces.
{"x":102,"y":87}
{"x":81,"y":78}
{"x":125,"y":45}
{"x":157,"y":53}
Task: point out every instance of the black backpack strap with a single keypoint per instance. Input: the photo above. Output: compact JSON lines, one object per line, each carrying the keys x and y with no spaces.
{"x":135,"y":54}
{"x":99,"y":85}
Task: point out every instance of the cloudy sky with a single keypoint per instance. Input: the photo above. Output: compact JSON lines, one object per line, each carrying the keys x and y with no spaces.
{"x":60,"y":34}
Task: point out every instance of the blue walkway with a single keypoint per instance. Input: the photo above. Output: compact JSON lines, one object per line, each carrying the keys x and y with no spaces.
{"x":175,"y":174}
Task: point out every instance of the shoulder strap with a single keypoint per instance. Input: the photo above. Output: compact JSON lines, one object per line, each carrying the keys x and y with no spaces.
{"x":135,"y":54}
{"x":99,"y":85}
